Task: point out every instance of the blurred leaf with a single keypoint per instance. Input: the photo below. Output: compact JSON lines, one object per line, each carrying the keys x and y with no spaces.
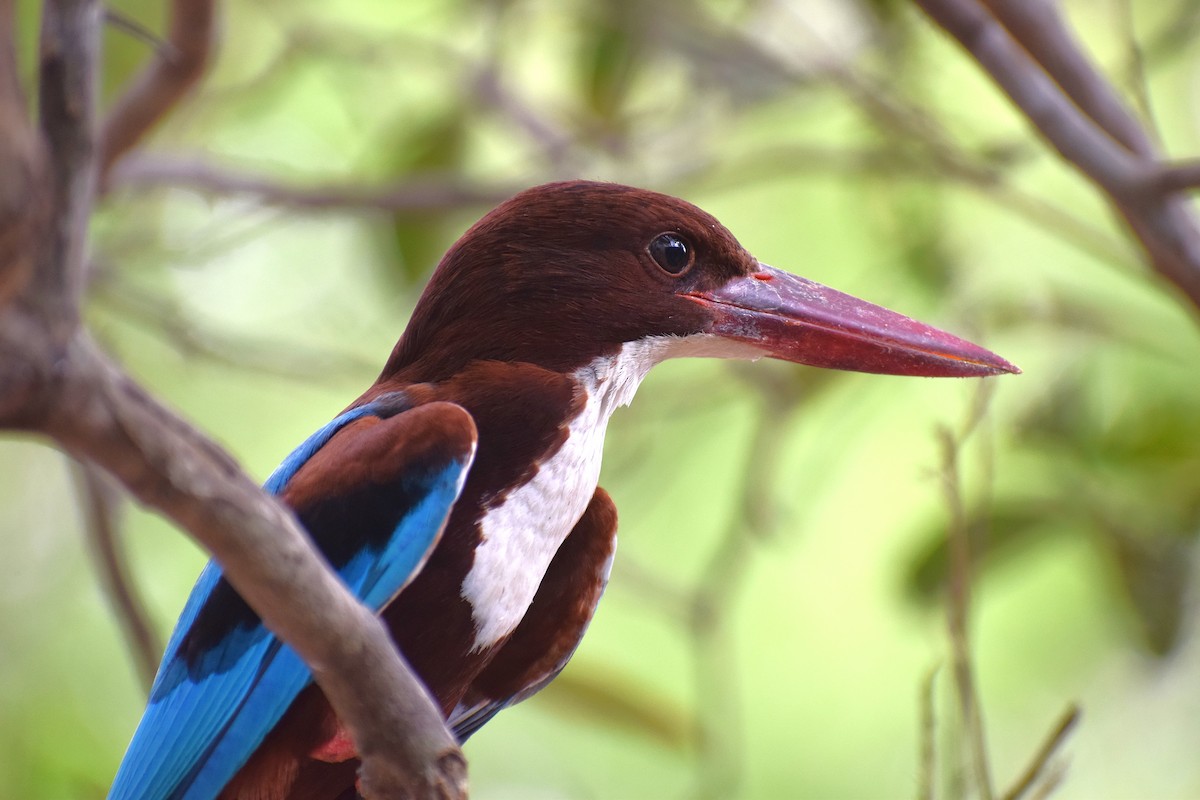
{"x":436,"y":146}
{"x":1156,"y":572}
{"x":995,"y":537}
{"x":587,"y":694}
{"x":609,"y":59}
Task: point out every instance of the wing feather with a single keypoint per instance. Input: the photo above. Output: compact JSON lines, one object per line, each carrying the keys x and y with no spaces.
{"x":373,"y":488}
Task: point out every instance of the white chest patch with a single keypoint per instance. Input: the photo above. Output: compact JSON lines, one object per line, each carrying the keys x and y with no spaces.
{"x":521,"y":536}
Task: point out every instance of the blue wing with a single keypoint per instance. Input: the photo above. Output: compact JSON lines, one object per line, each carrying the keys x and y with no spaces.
{"x":374,"y":496}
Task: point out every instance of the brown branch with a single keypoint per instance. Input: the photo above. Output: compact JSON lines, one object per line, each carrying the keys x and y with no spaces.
{"x":1041,"y":759}
{"x":927,"y":747}
{"x":1179,"y":176}
{"x":96,"y":413}
{"x":69,"y":52}
{"x":1163,"y":222}
{"x":1043,"y":33}
{"x":169,"y":321}
{"x":171,"y":73}
{"x":101,"y":507}
{"x":958,"y":607}
{"x":202,"y":175}
{"x":56,"y":382}
{"x":22,"y":166}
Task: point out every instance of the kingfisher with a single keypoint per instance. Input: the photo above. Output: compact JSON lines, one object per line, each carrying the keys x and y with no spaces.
{"x":458,"y":497}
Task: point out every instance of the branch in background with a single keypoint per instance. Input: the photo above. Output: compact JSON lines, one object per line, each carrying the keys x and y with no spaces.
{"x":1180,"y":176}
{"x":937,"y":156}
{"x":56,"y":382}
{"x":1135,"y":69}
{"x":958,"y":609}
{"x":101,"y":504}
{"x":69,"y":54}
{"x":1077,"y":113}
{"x":22,"y":166}
{"x":174,"y":69}
{"x":167,"y":319}
{"x":1041,"y":760}
{"x":927,"y":754}
{"x":1042,"y":33}
{"x":202,"y":175}
{"x":1038,"y":779}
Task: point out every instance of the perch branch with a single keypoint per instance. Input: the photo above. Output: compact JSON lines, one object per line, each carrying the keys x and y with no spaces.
{"x":54,"y":381}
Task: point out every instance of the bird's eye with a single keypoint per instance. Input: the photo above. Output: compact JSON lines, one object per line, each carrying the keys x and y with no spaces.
{"x":671,"y":252}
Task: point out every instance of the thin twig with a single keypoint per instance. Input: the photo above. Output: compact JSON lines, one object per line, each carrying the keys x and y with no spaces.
{"x":958,"y":614}
{"x":1053,"y":743}
{"x":101,"y":504}
{"x":136,"y":30}
{"x":1135,"y":69}
{"x":289,"y":360}
{"x":958,"y":608}
{"x":202,"y":175}
{"x":166,"y":80}
{"x":927,"y":754}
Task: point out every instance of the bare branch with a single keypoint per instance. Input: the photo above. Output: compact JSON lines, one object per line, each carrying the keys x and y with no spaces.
{"x":1042,"y":32}
{"x":1164,"y":223}
{"x":69,"y":56}
{"x":927,"y":754}
{"x":202,"y":175}
{"x":96,"y":413}
{"x":958,"y":613}
{"x":1179,"y":176}
{"x":22,"y":166}
{"x":56,"y":382}
{"x":1135,"y":69}
{"x":1037,"y":767}
{"x":162,"y":84}
{"x":101,"y":508}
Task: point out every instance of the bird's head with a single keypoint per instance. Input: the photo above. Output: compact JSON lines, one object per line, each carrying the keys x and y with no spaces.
{"x":565,"y":273}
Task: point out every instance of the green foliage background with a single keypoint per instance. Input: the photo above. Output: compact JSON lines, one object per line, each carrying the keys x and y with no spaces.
{"x":776,"y":606}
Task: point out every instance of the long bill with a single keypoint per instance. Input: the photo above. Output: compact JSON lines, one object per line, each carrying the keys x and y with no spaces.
{"x":795,"y":319}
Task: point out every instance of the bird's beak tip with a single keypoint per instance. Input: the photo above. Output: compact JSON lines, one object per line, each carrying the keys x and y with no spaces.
{"x":795,"y":319}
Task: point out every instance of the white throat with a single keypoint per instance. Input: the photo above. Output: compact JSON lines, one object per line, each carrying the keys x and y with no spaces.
{"x":521,"y":535}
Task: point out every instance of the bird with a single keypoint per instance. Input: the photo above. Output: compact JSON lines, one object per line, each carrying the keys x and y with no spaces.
{"x":459,"y":497}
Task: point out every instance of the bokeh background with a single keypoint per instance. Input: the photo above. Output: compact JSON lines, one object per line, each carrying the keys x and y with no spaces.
{"x":776,"y":624}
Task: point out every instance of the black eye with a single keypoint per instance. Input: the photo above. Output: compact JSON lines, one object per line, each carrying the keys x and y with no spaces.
{"x":671,"y":252}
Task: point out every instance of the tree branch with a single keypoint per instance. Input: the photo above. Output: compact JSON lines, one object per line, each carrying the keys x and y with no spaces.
{"x":172,"y":71}
{"x":69,"y":60}
{"x":1043,"y":34}
{"x":54,"y":381}
{"x":101,"y":501}
{"x":1163,"y":222}
{"x":205,"y":176}
{"x":1179,"y":176}
{"x":1041,"y":759}
{"x":22,"y":165}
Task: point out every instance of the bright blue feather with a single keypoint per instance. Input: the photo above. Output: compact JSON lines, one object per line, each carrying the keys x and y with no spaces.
{"x":208,"y":713}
